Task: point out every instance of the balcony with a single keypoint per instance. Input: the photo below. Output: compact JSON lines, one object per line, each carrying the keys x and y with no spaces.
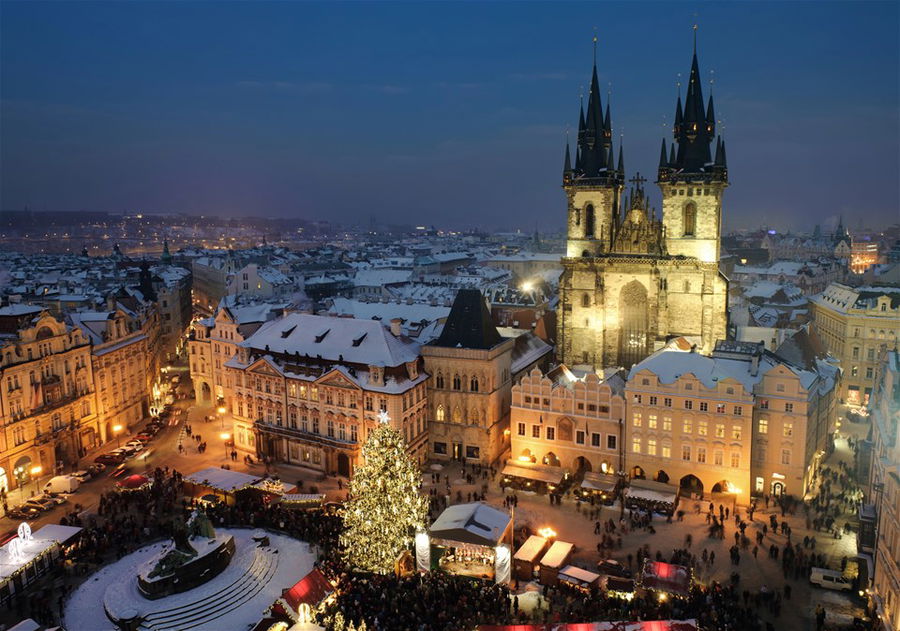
{"x":298,"y":434}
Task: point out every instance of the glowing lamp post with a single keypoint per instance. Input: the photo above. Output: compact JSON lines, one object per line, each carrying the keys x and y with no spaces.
{"x":117,"y":429}
{"x":225,"y":436}
{"x":35,"y":472}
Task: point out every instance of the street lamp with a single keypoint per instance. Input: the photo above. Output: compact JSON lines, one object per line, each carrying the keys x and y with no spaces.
{"x":225,"y":436}
{"x":35,"y":472}
{"x":116,"y":430}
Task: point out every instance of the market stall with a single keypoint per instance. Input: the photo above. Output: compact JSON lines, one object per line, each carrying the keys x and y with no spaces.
{"x":556,"y":558}
{"x":650,"y":495}
{"x":311,"y":592}
{"x":302,"y":501}
{"x":526,"y":557}
{"x":666,"y":578}
{"x":579,"y":578}
{"x":223,"y":483}
{"x":646,"y":625}
{"x":529,"y":476}
{"x":468,"y":540}
{"x":29,"y":556}
{"x":597,"y":485}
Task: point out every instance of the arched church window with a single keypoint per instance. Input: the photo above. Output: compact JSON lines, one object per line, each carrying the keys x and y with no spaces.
{"x":577,"y":217}
{"x":439,"y":413}
{"x":457,"y":382}
{"x":473,"y":384}
{"x":589,"y":221}
{"x":586,"y":300}
{"x":439,"y":381}
{"x":690,"y":219}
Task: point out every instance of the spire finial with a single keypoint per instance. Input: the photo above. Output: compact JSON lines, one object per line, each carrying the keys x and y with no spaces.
{"x":595,"y":45}
{"x":695,"y":37}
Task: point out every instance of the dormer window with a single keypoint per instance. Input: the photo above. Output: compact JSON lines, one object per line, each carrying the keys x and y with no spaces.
{"x":321,"y":336}
{"x":413,"y":369}
{"x":376,"y":374}
{"x":357,"y":341}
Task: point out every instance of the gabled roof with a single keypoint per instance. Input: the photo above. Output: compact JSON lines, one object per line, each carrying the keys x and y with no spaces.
{"x":474,"y":523}
{"x":469,"y":324}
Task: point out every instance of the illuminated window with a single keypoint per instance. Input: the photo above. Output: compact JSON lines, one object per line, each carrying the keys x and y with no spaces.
{"x":735,"y":459}
{"x":439,"y":413}
{"x":701,"y":454}
{"x":636,"y":445}
{"x":688,"y":426}
{"x":651,"y":447}
{"x":637,"y":419}
{"x":788,"y":430}
{"x":763,"y":426}
{"x":720,"y":430}
{"x":736,"y":432}
{"x":651,"y":421}
{"x":666,"y":451}
{"x":685,"y":452}
{"x":667,"y":424}
{"x":702,"y":428}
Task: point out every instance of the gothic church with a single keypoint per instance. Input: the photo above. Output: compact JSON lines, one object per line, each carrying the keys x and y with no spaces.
{"x":632,"y":280}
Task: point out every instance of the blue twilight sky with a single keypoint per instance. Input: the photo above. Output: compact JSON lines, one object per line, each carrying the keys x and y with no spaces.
{"x":451,"y":114}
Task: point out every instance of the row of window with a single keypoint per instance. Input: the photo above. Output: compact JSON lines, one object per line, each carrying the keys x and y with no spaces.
{"x":687,"y":452}
{"x":456,"y":383}
{"x":580,"y":438}
{"x":721,"y":408}
{"x":472,"y":452}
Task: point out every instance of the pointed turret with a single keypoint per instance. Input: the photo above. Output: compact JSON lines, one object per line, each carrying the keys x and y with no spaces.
{"x":607,"y":126}
{"x":166,"y":257}
{"x":672,"y":155}
{"x":663,"y":159}
{"x":567,"y":164}
{"x":621,"y":167}
{"x":711,"y":118}
{"x":679,"y":116}
{"x":719,"y":157}
{"x":611,"y":162}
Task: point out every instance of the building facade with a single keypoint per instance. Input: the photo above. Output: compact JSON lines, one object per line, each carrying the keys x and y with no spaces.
{"x":856,"y":325}
{"x":567,"y":420}
{"x":472,"y":370}
{"x":47,"y":410}
{"x":884,"y":490}
{"x":306,"y":390}
{"x":631,"y":280}
{"x":743,"y":420}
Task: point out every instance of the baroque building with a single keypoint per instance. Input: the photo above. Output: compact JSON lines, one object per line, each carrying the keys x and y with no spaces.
{"x":632,"y":280}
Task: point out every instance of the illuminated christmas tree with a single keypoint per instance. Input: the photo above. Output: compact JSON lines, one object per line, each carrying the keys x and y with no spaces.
{"x":385,"y":508}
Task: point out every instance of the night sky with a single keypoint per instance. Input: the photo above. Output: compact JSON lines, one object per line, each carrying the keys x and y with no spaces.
{"x":441,"y":113}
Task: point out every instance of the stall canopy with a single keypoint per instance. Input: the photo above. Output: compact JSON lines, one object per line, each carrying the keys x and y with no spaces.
{"x":133,"y":482}
{"x":474,"y":523}
{"x":652,"y":491}
{"x":63,"y":535}
{"x":312,"y":590}
{"x":532,"y":547}
{"x":646,"y":625}
{"x":557,"y":554}
{"x":222,"y":479}
{"x":666,"y":577}
{"x":598,"y":482}
{"x":578,"y":576}
{"x":536,"y":472}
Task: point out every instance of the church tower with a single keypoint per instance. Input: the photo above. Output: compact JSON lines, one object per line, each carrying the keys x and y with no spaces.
{"x":631,"y":281}
{"x":692,"y":179}
{"x":594,"y":183}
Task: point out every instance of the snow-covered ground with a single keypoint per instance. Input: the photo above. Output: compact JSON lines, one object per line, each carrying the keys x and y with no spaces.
{"x":115,"y":586}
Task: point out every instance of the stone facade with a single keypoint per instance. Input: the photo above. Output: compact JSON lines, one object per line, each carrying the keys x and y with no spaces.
{"x":630,"y":281}
{"x":570,"y":421}
{"x":48,"y":416}
{"x":856,"y":324}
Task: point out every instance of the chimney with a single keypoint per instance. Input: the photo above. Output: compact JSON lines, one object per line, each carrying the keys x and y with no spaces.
{"x":396,"y":330}
{"x":754,"y":364}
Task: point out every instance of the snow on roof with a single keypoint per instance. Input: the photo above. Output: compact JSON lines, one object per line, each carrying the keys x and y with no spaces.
{"x":222,"y":479}
{"x":335,"y":339}
{"x":475,"y":523}
{"x":20,"y":309}
{"x":530,"y":550}
{"x":273,"y":276}
{"x":380,"y":277}
{"x":557,"y":554}
{"x":385,"y":311}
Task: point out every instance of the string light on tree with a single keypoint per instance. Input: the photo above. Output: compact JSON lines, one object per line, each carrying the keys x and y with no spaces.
{"x":385,"y":507}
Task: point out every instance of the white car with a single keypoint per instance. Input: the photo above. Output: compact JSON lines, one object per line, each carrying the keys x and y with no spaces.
{"x":135,"y":444}
{"x":82,"y":476}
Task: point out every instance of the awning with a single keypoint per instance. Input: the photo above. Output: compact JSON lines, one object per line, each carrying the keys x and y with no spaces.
{"x":312,"y":589}
{"x":666,"y":577}
{"x":536,"y":472}
{"x":646,"y":625}
{"x":599,"y":482}
{"x":222,"y":479}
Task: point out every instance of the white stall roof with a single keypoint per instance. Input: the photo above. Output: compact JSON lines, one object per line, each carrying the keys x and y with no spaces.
{"x":537,"y":472}
{"x":577,"y":574}
{"x":56,"y":532}
{"x":222,"y":479}
{"x":557,"y":554}
{"x":598,"y":482}
{"x":531,"y":548}
{"x":302,"y":497}
{"x":474,"y":523}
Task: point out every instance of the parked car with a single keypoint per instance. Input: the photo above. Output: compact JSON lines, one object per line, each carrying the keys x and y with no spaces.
{"x":125,"y":451}
{"x":53,"y":498}
{"x":145,"y":437}
{"x":83,"y":476}
{"x":62,"y":484}
{"x":24,"y":512}
{"x":829,"y":579}
{"x":135,"y":444}
{"x":96,"y":469}
{"x":41,"y":503}
{"x":110,"y":458}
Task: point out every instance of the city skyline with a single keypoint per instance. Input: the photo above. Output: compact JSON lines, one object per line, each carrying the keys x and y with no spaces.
{"x":233,"y":110}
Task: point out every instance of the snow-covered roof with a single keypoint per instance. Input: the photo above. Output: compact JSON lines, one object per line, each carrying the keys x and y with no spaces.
{"x":335,"y":339}
{"x":380,"y":277}
{"x":474,"y":523}
{"x":385,"y":311}
{"x":222,"y":479}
